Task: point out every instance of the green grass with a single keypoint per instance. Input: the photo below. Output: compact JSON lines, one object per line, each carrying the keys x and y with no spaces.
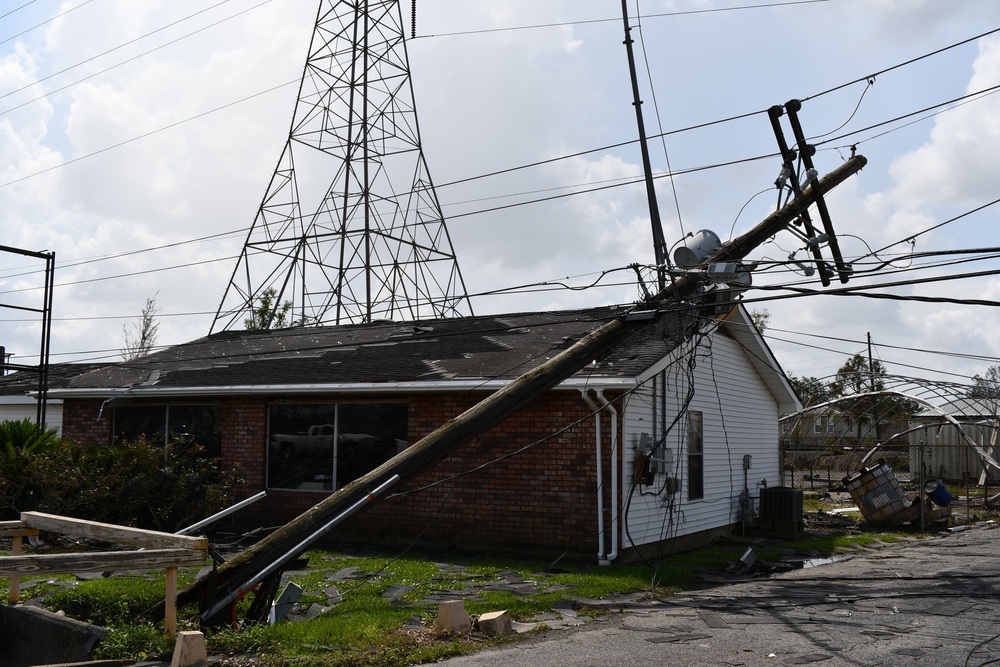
{"x":367,"y":630}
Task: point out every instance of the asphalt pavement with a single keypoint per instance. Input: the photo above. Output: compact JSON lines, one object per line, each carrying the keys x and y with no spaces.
{"x":933,"y":601}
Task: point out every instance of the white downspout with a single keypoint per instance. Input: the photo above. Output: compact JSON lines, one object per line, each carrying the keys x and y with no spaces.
{"x":600,"y":479}
{"x":614,"y":475}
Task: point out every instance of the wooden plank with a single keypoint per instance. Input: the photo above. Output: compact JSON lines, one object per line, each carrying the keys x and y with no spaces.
{"x":100,"y":561}
{"x":12,"y":524}
{"x":18,"y":532}
{"x":106,"y":532}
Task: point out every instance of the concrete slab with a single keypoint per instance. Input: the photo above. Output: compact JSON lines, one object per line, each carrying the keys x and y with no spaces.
{"x":33,"y":636}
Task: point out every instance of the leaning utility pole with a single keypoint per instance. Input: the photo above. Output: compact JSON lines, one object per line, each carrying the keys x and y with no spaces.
{"x":234,"y":574}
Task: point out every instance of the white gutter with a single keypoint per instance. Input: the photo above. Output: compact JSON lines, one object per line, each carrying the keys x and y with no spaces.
{"x":614,"y":475}
{"x":409,"y":387}
{"x":601,"y":556}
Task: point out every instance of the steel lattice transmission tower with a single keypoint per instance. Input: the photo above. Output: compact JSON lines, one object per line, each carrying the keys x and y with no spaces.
{"x":350,"y":229}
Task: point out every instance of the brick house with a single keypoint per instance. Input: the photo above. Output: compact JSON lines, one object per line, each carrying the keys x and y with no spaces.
{"x":657,"y":441}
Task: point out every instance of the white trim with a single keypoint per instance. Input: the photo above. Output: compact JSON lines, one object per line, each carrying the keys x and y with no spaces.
{"x":572,"y":384}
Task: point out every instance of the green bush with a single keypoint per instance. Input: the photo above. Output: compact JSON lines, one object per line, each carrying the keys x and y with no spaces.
{"x":22,"y":445}
{"x":133,"y":483}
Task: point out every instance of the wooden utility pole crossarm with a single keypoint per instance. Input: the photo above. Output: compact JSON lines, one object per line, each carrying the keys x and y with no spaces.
{"x":485,"y":414}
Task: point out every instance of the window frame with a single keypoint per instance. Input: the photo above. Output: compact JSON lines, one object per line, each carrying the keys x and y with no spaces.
{"x":163,"y":436}
{"x":331,"y":462}
{"x":695,"y":455}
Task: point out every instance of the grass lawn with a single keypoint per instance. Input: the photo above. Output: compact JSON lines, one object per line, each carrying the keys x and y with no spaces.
{"x":378,"y":609}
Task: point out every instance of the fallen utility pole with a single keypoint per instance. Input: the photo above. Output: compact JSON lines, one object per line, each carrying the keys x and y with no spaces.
{"x":489,"y":412}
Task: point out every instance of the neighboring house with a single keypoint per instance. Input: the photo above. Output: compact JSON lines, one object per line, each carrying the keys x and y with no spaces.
{"x":938,"y":446}
{"x":303,"y":411}
{"x":825,"y":427}
{"x":812,"y":434}
{"x":19,"y":393}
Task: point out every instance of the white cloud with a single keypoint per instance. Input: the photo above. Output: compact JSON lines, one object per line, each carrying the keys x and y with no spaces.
{"x":494,"y":100}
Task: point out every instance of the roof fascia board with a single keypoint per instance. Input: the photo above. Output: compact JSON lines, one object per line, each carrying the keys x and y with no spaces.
{"x":572,"y":384}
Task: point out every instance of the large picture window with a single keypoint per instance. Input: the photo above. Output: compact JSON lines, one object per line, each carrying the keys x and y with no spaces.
{"x":324,"y":446}
{"x":158,"y":424}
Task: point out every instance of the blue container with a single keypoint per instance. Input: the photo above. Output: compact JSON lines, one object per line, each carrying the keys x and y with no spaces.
{"x":936,"y":491}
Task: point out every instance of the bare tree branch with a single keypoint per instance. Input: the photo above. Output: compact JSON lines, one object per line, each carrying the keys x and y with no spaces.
{"x":140,"y":338}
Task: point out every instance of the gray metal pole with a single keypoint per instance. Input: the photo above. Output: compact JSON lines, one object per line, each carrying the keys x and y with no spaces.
{"x":296,"y":550}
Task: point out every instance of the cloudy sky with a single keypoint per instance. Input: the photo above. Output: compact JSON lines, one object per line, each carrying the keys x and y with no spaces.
{"x":137,"y":139}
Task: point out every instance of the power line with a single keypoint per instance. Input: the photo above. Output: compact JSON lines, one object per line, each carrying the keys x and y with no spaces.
{"x":900,"y":65}
{"x":148,"y":134}
{"x":128,"y":253}
{"x":863,"y":291}
{"x":127,"y":275}
{"x":968,"y":97}
{"x":862,"y":343}
{"x":39,"y":25}
{"x":669,"y":174}
{"x":94,"y":318}
{"x":17,"y":9}
{"x":937,"y":226}
{"x":111,"y":50}
{"x":124,"y":62}
{"x":561,"y":24}
{"x":639,"y":179}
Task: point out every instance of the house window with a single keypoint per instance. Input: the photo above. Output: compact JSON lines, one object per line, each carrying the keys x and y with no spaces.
{"x":324,"y":446}
{"x":159,"y":424}
{"x":696,"y":457}
{"x":818,"y":425}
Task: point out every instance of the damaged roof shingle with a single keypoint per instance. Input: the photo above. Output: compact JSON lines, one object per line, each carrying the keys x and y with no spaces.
{"x":501,"y":347}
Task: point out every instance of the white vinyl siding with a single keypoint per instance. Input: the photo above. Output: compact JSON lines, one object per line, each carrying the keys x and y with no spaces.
{"x":16,"y":408}
{"x":740,"y":416}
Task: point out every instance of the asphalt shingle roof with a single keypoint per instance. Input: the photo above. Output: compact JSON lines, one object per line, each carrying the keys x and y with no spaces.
{"x":60,"y":375}
{"x":486,"y":347}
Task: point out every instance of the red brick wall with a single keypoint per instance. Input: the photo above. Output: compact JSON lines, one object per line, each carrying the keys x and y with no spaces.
{"x":532,"y":495}
{"x":80,"y":423}
{"x":244,"y":439}
{"x":542,"y":500}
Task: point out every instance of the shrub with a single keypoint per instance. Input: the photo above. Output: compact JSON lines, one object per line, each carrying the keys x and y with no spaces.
{"x":131,"y":483}
{"x":22,"y":445}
